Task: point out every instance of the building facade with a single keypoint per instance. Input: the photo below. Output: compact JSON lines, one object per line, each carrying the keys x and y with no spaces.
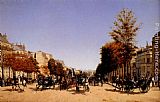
{"x":144,"y":62}
{"x":42,"y":58}
{"x":5,"y":47}
{"x":9,"y":48}
{"x":133,"y":63}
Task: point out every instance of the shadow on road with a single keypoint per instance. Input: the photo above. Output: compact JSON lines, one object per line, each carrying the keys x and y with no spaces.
{"x":18,"y":90}
{"x":123,"y":92}
{"x":33,"y":89}
{"x":74,"y":92}
{"x":40,"y":89}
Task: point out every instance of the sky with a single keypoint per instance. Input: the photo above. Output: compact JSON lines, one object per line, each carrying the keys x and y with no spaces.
{"x":73,"y":30}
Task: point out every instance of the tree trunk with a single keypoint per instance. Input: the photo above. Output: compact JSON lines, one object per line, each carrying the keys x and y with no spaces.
{"x":119,"y":71}
{"x":124,"y":70}
{"x":130,"y":69}
{"x":14,"y":73}
{"x":127,"y":68}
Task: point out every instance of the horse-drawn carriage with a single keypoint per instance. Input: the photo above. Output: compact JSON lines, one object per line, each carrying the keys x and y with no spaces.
{"x":18,"y":83}
{"x":82,"y":82}
{"x":129,"y":85}
{"x":45,"y":82}
{"x":78,"y":80}
{"x":65,"y":79}
{"x":95,"y":80}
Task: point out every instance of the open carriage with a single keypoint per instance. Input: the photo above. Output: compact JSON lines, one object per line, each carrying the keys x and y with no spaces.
{"x":81,"y":81}
{"x":129,"y":85}
{"x":45,"y":82}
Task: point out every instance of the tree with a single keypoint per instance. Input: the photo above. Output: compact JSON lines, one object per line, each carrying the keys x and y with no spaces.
{"x":45,"y":70}
{"x":110,"y":57}
{"x":56,"y":67}
{"x":59,"y":69}
{"x":35,"y":64}
{"x":124,"y":31}
{"x":52,"y":66}
{"x":20,"y":62}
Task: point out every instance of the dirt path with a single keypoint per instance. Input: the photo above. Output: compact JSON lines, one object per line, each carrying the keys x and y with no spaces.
{"x":96,"y":94}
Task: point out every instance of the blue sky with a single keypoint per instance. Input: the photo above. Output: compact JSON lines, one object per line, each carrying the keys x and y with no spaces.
{"x":72,"y":30}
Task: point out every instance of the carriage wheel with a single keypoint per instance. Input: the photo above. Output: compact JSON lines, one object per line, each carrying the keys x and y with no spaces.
{"x":131,"y":89}
{"x":144,"y":88}
{"x":43,"y":86}
{"x":119,"y":86}
{"x":86,"y":88}
{"x":148,"y":88}
{"x":127,"y":88}
{"x":37,"y":87}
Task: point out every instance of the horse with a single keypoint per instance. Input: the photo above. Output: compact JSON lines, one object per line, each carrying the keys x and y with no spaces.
{"x":71,"y":82}
{"x":19,"y":82}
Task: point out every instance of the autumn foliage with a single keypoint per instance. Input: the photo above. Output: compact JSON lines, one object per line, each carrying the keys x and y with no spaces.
{"x":56,"y":67}
{"x":111,"y":57}
{"x":119,"y":52}
{"x":20,"y":62}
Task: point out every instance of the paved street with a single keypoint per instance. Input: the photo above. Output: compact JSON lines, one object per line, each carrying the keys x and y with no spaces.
{"x":96,"y":94}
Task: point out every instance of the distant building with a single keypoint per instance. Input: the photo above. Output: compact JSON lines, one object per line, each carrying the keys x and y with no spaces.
{"x":21,"y":49}
{"x":144,"y":62}
{"x":42,"y":59}
{"x":5,"y":47}
{"x":4,"y":43}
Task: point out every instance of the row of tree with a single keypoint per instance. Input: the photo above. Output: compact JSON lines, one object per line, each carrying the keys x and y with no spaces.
{"x":20,"y":62}
{"x":118,"y":53}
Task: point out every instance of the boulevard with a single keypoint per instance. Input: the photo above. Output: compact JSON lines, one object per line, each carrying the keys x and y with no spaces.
{"x":96,"y":94}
